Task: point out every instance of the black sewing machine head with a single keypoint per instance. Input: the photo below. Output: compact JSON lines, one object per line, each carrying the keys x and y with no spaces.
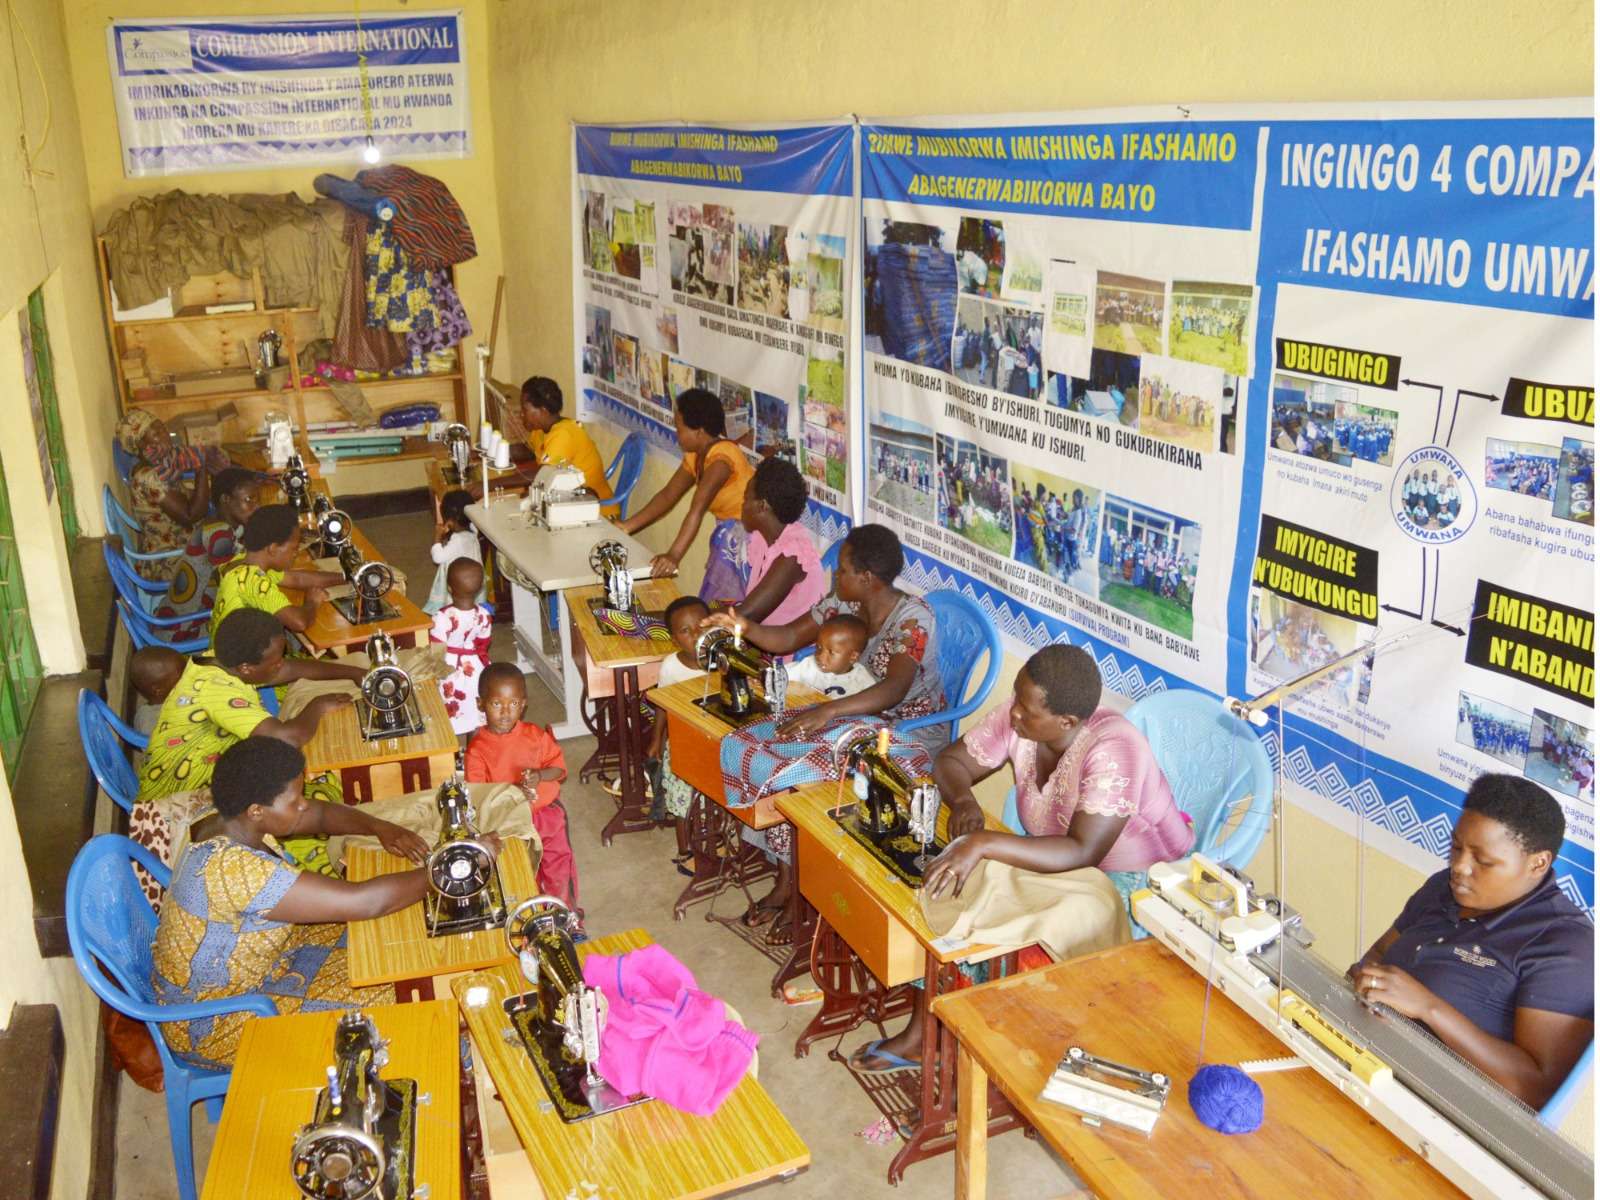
{"x":560,"y":1020}
{"x":464,"y":892}
{"x":361,"y":1140}
{"x":742,"y":667}
{"x":333,"y":528}
{"x":296,"y":483}
{"x":387,"y":706}
{"x":370,"y":582}
{"x":609,"y":560}
{"x":895,"y":815}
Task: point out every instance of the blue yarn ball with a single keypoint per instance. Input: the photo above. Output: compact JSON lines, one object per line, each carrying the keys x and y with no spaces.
{"x":1226,"y":1099}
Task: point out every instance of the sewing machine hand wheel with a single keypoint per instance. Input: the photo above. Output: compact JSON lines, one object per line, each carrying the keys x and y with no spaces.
{"x":709,"y":645}
{"x":607,"y":553}
{"x":461,"y":869}
{"x":386,"y":688}
{"x":534,"y":915}
{"x":336,"y":1160}
{"x":374,"y":580}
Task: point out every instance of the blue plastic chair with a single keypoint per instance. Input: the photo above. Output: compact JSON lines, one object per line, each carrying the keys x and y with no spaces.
{"x":1556,"y":1108}
{"x":123,"y":461}
{"x":830,"y":557}
{"x":104,"y":736}
{"x":111,"y":928}
{"x":964,"y":635}
{"x":133,"y":587}
{"x":625,"y":469}
{"x":143,"y":630}
{"x":121,"y":523}
{"x":1215,"y":765}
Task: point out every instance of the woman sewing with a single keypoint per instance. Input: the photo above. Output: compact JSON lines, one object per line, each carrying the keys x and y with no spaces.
{"x":239,"y":919}
{"x":555,"y":438}
{"x":167,"y":510}
{"x":786,"y":577}
{"x":716,"y":472}
{"x":212,"y":545}
{"x":1489,"y":953}
{"x":1089,"y":794}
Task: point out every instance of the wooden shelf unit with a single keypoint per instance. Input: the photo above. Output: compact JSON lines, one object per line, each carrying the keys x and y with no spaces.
{"x":194,"y":340}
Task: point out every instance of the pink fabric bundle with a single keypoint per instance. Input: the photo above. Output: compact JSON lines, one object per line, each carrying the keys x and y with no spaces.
{"x":664,"y":1037}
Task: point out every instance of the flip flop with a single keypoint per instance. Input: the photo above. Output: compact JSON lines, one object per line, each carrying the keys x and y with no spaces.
{"x":759,"y":914}
{"x":875,"y":1050}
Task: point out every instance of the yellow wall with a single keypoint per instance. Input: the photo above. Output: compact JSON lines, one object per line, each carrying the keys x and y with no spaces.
{"x":741,"y":60}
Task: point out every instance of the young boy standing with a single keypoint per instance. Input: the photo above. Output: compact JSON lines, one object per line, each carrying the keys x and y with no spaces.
{"x":507,"y":749}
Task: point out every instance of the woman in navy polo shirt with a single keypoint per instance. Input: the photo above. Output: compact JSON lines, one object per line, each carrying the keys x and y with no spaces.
{"x":1489,"y":954}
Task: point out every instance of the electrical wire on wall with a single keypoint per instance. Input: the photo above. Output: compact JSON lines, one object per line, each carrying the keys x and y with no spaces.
{"x":370,"y":154}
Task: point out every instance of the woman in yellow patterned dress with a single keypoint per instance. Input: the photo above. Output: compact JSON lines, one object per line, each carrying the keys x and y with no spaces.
{"x":214,"y":705}
{"x":238,"y":919}
{"x":257,"y":577}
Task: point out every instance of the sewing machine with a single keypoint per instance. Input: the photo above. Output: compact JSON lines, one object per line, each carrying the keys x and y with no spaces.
{"x":458,"y":445}
{"x":370,"y":582}
{"x":560,"y":498}
{"x":1255,"y":950}
{"x":332,"y":526}
{"x":895,"y":816}
{"x":561,"y":1019}
{"x":742,"y":667}
{"x":361,"y":1140}
{"x":609,"y":560}
{"x":464,"y":891}
{"x":387,"y":706}
{"x":295,"y":483}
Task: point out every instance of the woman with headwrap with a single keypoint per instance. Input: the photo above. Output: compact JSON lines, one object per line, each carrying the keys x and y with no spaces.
{"x":166,"y":509}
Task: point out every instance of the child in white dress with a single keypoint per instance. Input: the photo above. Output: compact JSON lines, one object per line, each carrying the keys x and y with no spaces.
{"x":453,"y":538}
{"x":463,"y":627}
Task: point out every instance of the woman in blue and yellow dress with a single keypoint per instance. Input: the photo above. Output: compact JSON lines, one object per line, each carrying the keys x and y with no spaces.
{"x":240,"y":919}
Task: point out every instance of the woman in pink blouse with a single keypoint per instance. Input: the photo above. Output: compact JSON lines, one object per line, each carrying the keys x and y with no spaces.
{"x":786,"y":576}
{"x":1089,"y":794}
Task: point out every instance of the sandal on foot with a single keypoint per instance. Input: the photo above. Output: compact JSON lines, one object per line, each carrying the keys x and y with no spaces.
{"x":858,"y":1060}
{"x":759,"y":913}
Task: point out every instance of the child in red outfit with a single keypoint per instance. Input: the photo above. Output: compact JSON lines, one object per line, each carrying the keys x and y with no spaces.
{"x":507,"y":749}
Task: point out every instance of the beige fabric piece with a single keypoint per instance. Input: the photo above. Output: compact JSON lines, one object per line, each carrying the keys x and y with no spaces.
{"x":420,"y":662}
{"x":1071,"y":913}
{"x":502,"y":808}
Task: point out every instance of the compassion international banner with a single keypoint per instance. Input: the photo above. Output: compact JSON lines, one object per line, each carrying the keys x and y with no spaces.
{"x":1224,"y":395}
{"x":213,"y":94}
{"x":721,"y":258}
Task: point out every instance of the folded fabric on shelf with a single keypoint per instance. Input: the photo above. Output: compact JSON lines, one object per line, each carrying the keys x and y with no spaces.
{"x":429,"y":223}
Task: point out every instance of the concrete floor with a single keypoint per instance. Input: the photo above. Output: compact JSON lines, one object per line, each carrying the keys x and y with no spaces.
{"x":633,"y":884}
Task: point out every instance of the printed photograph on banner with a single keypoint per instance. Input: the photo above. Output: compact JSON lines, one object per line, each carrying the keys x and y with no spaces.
{"x":1288,"y":639}
{"x":627,"y":362}
{"x":624,"y":239}
{"x":772,"y":427}
{"x":826,"y":416}
{"x":719,"y":259}
{"x":737,"y":416}
{"x":597,"y":233}
{"x":1178,"y":401}
{"x":1055,"y":521}
{"x":680,"y":378}
{"x":1575,"y":484}
{"x":901,"y":469}
{"x":718,"y":218}
{"x":653,"y":378}
{"x":1526,"y":468}
{"x":764,"y":269}
{"x":1023,"y":281}
{"x":708,"y":381}
{"x":1067,"y":334}
{"x":974,"y":498}
{"x":908,"y":292}
{"x":667,"y":328}
{"x":598,"y":348}
{"x":824,"y":394}
{"x":1148,"y":563}
{"x":1303,"y":415}
{"x":1129,"y":313}
{"x":981,"y":256}
{"x":824,"y":284}
{"x":1210,"y":324}
{"x":825,"y":457}
{"x":1432,"y":497}
{"x":1109,"y":393}
{"x":1492,"y":728}
{"x":998,"y":346}
{"x":1561,"y":756}
{"x":1227,"y":415}
{"x":1364,"y":433}
{"x":688,"y":251}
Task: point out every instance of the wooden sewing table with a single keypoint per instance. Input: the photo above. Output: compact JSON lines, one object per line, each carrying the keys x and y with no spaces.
{"x":872,"y":942}
{"x":1142,"y":1005}
{"x":281,"y":1064}
{"x":721,"y":858}
{"x":376,"y":770}
{"x":615,"y":671}
{"x":331,"y":631}
{"x":647,"y":1152}
{"x":397,"y":949}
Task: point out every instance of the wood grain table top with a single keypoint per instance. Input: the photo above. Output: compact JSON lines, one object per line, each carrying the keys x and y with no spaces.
{"x":330,"y":630}
{"x":612,"y":651}
{"x":1142,"y":1006}
{"x":281,"y":1064}
{"x":647,"y":1152}
{"x":395,"y":947}
{"x":338,"y":743}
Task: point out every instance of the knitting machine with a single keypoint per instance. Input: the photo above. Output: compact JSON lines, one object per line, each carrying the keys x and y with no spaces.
{"x":895,"y":816}
{"x":295,"y":482}
{"x":1255,"y":950}
{"x":361,"y":1141}
{"x":387,"y":706}
{"x":458,"y":445}
{"x":742,"y":667}
{"x":560,"y":498}
{"x":370,"y":582}
{"x":464,"y":892}
{"x":561,"y":1019}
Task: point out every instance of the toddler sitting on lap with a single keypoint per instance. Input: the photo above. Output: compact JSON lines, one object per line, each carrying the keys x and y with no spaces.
{"x":835,"y":669}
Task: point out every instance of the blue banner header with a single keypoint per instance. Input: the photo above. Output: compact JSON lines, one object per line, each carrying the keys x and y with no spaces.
{"x":809,"y":161}
{"x":299,"y":44}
